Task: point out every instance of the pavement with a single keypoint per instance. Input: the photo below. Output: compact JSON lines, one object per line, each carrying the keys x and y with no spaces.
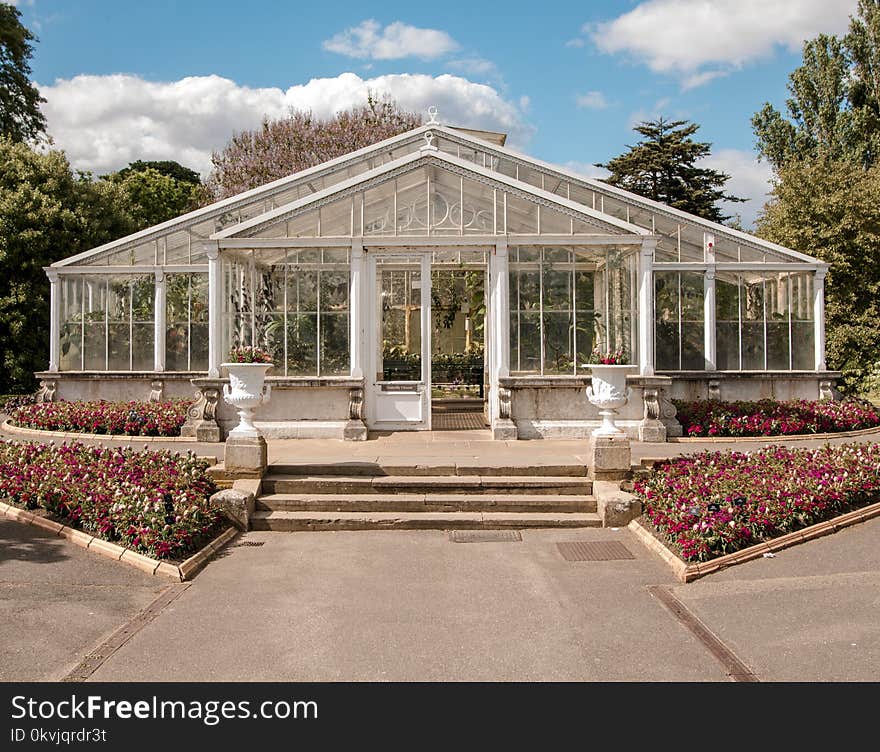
{"x":413,"y":605}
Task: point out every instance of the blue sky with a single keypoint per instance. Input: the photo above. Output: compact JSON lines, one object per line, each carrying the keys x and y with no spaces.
{"x":172,"y":80}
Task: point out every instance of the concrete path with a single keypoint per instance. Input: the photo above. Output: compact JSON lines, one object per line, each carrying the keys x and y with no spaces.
{"x":412,"y":605}
{"x":57,"y":601}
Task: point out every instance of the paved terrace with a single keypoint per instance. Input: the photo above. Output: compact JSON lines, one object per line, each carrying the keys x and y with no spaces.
{"x":445,"y":448}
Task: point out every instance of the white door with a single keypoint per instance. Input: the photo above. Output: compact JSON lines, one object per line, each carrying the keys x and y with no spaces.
{"x":399,"y":342}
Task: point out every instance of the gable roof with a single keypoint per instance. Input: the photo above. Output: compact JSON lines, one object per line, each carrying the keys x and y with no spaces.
{"x":332,"y":177}
{"x":432,"y":156}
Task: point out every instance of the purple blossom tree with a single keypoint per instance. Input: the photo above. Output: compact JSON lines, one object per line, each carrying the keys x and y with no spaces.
{"x":299,"y":141}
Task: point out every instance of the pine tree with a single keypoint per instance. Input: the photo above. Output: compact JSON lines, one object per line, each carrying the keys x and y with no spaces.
{"x":663,"y":167}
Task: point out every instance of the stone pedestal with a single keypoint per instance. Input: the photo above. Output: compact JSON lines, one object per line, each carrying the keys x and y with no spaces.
{"x":245,"y":456}
{"x":616,"y":508}
{"x":355,"y":430}
{"x":504,"y":429}
{"x":610,"y":457}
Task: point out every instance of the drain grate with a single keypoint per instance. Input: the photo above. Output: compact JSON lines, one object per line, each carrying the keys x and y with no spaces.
{"x":595,"y":551}
{"x":248,"y":544}
{"x":484,"y":536}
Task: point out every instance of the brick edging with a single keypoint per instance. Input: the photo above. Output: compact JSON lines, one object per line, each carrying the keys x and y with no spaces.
{"x":689,"y":572}
{"x":181,"y":572}
{"x":774,"y":438}
{"x":39,"y":433}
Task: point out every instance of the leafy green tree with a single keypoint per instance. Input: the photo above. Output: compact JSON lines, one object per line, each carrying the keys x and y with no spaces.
{"x":289,"y":145}
{"x":663,"y":167}
{"x":152,"y":196}
{"x":47,"y":212}
{"x":833,"y":112}
{"x":831,"y":210}
{"x":166,"y":167}
{"x":20,"y":116}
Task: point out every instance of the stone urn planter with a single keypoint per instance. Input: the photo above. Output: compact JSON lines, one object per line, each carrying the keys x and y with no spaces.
{"x":609,"y":392}
{"x":246,"y":391}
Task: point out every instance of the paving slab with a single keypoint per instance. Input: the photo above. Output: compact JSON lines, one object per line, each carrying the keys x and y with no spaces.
{"x":411,"y":605}
{"x":57,"y":601}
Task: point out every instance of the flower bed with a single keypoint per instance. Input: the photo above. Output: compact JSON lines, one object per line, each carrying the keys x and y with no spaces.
{"x":772,"y":418}
{"x":154,"y":502}
{"x":714,"y":503}
{"x":101,"y":417}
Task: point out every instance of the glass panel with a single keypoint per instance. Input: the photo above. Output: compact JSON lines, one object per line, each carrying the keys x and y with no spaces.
{"x":802,"y":327}
{"x":400,"y":322}
{"x":412,"y":202}
{"x":71,"y":324}
{"x":753,"y":323}
{"x":692,"y":332}
{"x":334,"y":287}
{"x":379,"y":210}
{"x":727,"y":322}
{"x":95,"y":318}
{"x":522,"y":215}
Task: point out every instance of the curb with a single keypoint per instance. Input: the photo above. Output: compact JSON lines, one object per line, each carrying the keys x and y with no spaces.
{"x":775,"y":438}
{"x":182,"y":572}
{"x":37,"y":433}
{"x":689,"y":572}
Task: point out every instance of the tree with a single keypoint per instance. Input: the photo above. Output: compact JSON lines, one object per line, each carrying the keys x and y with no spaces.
{"x":833,"y":112}
{"x":662,"y":167}
{"x":831,"y":210}
{"x":46,"y":213}
{"x":154,"y":195}
{"x":20,"y":116}
{"x":289,"y":145}
{"x":169,"y":168}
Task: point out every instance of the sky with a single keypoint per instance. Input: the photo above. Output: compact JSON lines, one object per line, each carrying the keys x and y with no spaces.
{"x":567,"y":81}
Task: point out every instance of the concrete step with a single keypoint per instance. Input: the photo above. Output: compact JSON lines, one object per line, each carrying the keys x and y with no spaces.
{"x":461,"y":484}
{"x":430,"y":502}
{"x":305,"y":521}
{"x":421,"y":467}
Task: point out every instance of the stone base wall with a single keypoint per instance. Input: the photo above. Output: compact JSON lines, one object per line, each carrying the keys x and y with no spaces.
{"x":329,"y":407}
{"x":556,"y":407}
{"x":733,"y":386}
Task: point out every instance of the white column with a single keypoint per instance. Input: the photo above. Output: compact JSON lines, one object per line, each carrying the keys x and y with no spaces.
{"x":819,"y":317}
{"x":215,"y":283}
{"x":159,"y":322}
{"x":709,"y":342}
{"x":54,"y":320}
{"x":646,"y":307}
{"x":356,"y":315}
{"x":497,"y":346}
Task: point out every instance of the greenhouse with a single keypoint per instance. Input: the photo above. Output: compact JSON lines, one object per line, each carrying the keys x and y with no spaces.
{"x":434,"y":273}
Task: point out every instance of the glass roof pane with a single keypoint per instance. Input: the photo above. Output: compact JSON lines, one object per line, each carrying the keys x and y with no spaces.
{"x":522,"y":216}
{"x":379,"y":209}
{"x":554,"y":223}
{"x":336,"y":218}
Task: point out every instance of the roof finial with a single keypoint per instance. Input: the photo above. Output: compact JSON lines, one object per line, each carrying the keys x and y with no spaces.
{"x":429,"y":142}
{"x":432,"y":111}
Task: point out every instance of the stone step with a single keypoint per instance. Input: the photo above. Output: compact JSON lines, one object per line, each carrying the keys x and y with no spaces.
{"x":406,"y":502}
{"x":463,"y":484}
{"x":307,"y":521}
{"x":428,"y":466}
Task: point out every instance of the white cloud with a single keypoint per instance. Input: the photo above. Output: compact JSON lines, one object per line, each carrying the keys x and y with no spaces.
{"x":593,"y":100}
{"x":105,"y":122}
{"x":682,"y":37}
{"x":475,"y":66}
{"x":576,"y":42}
{"x":395,"y":41}
{"x":749,"y":179}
